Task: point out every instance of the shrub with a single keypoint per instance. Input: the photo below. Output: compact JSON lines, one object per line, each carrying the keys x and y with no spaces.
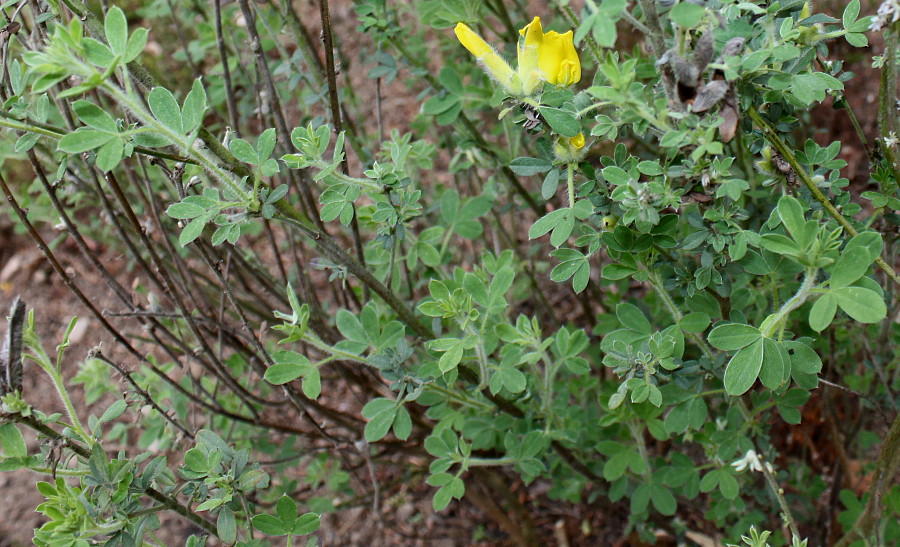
{"x":624,"y":269}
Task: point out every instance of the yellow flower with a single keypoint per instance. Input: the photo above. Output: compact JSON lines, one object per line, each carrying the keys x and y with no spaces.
{"x":570,"y":149}
{"x":542,"y":57}
{"x":547,"y":56}
{"x":577,"y":142}
{"x":493,"y":64}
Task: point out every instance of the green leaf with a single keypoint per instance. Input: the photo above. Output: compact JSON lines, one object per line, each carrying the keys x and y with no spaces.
{"x":791,"y":213}
{"x":632,"y":318}
{"x":743,"y":369}
{"x":269,"y":525}
{"x":870,"y":241}
{"x":451,"y":358}
{"x":526,"y":167}
{"x":572,"y":264}
{"x":856,"y":39}
{"x":563,"y":229}
{"x":265,"y":145}
{"x":439,"y":479}
{"x":512,"y":379}
{"x":283,"y":373}
{"x":109,"y":155}
{"x":312,"y":383}
{"x":94,"y":116}
{"x":615,"y":467}
{"x":616,"y":271}
{"x":810,"y":87}
{"x":243,"y":151}
{"x":402,"y":424}
{"x":350,"y":326}
{"x":650,"y":168}
{"x":728,"y":485}
{"x":475,"y":287}
{"x":83,"y":140}
{"x":694,"y":322}
{"x":165,"y":109}
{"x":194,"y":107}
{"x":286,"y":509}
{"x":861,"y":304}
{"x":12,"y":442}
{"x":732,"y":336}
{"x":379,"y":424}
{"x":851,"y":12}
{"x":616,"y":175}
{"x":195,"y":460}
{"x":192,"y":231}
{"x":663,"y":500}
{"x":779,"y":244}
{"x":550,"y":184}
{"x":772,"y":373}
{"x":136,"y":44}
{"x":561,"y":121}
{"x":803,"y":358}
{"x":686,"y":15}
{"x":850,"y":266}
{"x":226,"y":527}
{"x":306,"y":523}
{"x":442,"y":498}
{"x":501,"y":283}
{"x":640,"y":499}
{"x":377,"y":406}
{"x":114,"y":411}
{"x":116,"y":27}
{"x":450,"y":79}
{"x":546,"y":223}
{"x":821,"y":314}
{"x":26,"y":142}
{"x":184,"y":210}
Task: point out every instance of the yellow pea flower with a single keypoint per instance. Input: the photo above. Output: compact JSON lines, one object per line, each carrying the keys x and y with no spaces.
{"x":570,"y":149}
{"x":493,"y":64}
{"x":548,"y":56}
{"x":577,"y":142}
{"x":542,"y":57}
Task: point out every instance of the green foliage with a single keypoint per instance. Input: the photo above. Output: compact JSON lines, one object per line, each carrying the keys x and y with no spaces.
{"x":624,"y":289}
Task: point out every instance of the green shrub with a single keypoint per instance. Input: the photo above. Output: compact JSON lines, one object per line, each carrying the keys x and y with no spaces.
{"x":623,"y":267}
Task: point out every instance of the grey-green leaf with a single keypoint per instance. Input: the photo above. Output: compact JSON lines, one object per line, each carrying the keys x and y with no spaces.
{"x":861,"y":304}
{"x":771,"y":374}
{"x":561,"y":121}
{"x":733,"y":336}
{"x":94,"y":116}
{"x":244,"y":152}
{"x":83,"y":140}
{"x":822,"y":312}
{"x":116,"y":27}
{"x":850,"y":266}
{"x":194,"y":107}
{"x":743,"y":369}
{"x":136,"y":44}
{"x":165,"y":109}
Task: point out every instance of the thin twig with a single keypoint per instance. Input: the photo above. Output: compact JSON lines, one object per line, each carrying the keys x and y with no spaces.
{"x":772,"y":136}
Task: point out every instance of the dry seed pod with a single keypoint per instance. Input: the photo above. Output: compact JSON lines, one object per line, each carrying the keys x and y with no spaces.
{"x":728,"y":127}
{"x":11,"y":354}
{"x":733,"y":47}
{"x":709,"y":95}
{"x":703,"y":51}
{"x":685,"y":73}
